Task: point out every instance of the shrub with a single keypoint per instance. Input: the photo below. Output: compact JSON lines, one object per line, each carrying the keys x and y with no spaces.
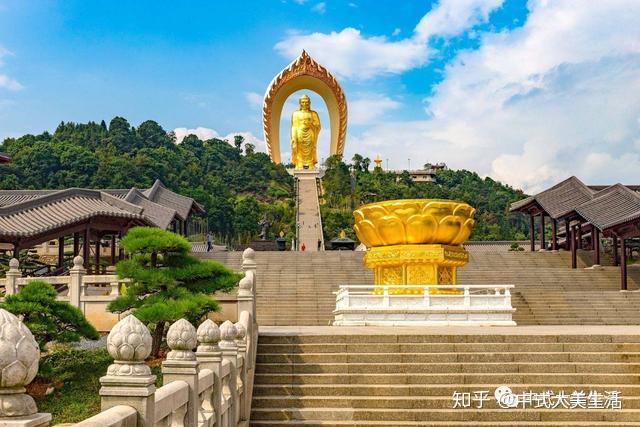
{"x":47,"y":318}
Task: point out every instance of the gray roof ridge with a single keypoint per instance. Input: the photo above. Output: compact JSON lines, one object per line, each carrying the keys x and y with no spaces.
{"x":51,"y":197}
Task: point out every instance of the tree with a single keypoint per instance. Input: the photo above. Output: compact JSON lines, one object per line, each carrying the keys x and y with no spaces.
{"x":166,"y":282}
{"x":237,"y":141}
{"x":46,"y":317}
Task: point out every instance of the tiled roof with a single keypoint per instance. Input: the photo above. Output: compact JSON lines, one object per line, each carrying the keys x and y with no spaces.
{"x":183,"y":205}
{"x":62,"y":208}
{"x":560,"y":199}
{"x":611,"y":207}
{"x":160,"y":216}
{"x":160,"y":204}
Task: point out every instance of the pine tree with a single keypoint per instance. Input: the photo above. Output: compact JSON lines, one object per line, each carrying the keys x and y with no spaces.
{"x":46,"y":317}
{"x":166,"y":282}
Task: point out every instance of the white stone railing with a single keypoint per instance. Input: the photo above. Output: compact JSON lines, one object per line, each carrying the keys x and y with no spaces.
{"x":211,"y":386}
{"x":425,"y":305}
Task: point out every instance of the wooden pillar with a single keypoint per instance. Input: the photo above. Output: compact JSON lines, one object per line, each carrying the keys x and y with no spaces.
{"x":567,"y":235}
{"x":532,"y":232}
{"x":543,"y":245}
{"x":76,"y":244}
{"x":595,"y":237}
{"x":85,"y":249}
{"x":16,"y":251}
{"x":60,"y":252}
{"x":579,"y":235}
{"x":574,"y":257}
{"x":121,"y":249}
{"x":554,"y":234}
{"x":113,"y":249}
{"x":623,"y":264}
{"x":616,"y":259}
{"x":185,"y":227}
{"x":97,"y":255}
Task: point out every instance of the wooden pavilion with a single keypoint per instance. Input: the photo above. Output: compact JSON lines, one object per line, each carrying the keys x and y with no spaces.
{"x":612,"y":212}
{"x":31,"y":217}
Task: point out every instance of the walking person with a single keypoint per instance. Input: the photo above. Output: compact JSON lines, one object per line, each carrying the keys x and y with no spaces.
{"x":209,"y":241}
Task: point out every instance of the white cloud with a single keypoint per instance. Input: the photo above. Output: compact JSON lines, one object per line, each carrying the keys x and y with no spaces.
{"x":351,"y":54}
{"x":368,"y":107}
{"x":201,"y":132}
{"x":207,"y":133}
{"x":319,"y":8}
{"x":254,"y":99}
{"x":396,"y":32}
{"x":6,"y":81}
{"x":556,"y":97}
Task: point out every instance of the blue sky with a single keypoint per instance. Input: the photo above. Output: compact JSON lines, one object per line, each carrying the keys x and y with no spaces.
{"x":507,"y":88}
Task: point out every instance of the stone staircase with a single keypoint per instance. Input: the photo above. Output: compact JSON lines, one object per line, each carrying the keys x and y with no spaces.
{"x":295,"y":288}
{"x":317,"y":376}
{"x":309,"y":223}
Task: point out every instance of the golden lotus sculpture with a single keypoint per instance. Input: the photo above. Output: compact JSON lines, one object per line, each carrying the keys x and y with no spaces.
{"x":414,"y":241}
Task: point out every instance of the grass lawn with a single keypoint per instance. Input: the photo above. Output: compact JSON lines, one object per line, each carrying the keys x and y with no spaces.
{"x":75,"y":375}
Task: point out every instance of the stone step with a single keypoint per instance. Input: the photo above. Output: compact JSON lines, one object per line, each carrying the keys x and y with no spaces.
{"x":421,"y":415}
{"x":404,"y":390}
{"x":452,"y":378}
{"x":396,"y":402}
{"x":544,"y":357}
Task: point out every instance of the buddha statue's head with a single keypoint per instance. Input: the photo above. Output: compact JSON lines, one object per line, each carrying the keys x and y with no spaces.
{"x":305,"y":102}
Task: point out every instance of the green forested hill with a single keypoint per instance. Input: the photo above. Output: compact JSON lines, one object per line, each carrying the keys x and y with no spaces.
{"x":348,"y":186}
{"x":237,"y":186}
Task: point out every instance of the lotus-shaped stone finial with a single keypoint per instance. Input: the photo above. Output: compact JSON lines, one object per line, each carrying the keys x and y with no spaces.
{"x":228,"y":333}
{"x":129,"y":343}
{"x":182,"y":339}
{"x":19,"y":357}
{"x":208,"y":336}
{"x":414,"y":221}
{"x":241,"y":331}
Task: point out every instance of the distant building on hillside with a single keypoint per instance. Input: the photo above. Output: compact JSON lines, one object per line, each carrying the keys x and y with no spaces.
{"x":428,"y":174}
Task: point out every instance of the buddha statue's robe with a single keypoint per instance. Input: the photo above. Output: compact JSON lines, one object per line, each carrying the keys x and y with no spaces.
{"x":305,"y":127}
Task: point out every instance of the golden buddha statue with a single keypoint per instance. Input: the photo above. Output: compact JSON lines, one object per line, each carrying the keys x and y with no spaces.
{"x":305,"y":127}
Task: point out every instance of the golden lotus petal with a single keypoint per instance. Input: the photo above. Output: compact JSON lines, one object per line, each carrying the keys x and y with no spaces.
{"x":391,"y":230}
{"x":448,"y":229}
{"x":368,"y":234}
{"x":421,"y":229}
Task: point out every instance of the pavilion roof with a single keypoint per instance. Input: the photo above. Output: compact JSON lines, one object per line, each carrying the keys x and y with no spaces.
{"x":160,"y":205}
{"x":160,"y":215}
{"x":559,"y":200}
{"x":183,"y":205}
{"x":611,"y":207}
{"x":60,"y":209}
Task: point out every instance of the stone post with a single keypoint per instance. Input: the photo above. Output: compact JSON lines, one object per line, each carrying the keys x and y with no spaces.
{"x":247,"y":291}
{"x":76,"y":274}
{"x":129,"y":380}
{"x":181,"y":365}
{"x":241,"y":342}
{"x":229,"y":350}
{"x":13,"y":274}
{"x":19,"y":357}
{"x":209,"y":357}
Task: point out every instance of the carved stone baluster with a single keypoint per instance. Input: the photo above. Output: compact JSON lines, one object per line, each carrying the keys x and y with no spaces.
{"x":181,"y":365}
{"x":229,"y":350}
{"x":209,"y":356}
{"x":129,"y":380}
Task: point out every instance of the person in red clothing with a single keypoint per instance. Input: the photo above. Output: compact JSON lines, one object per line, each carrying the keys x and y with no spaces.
{"x":303,"y":247}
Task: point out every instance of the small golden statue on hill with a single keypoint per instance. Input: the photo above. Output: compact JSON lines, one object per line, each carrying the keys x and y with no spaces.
{"x":305,"y":127}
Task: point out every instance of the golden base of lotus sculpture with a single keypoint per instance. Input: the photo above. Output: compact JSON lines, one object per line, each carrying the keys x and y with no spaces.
{"x":414,"y":242}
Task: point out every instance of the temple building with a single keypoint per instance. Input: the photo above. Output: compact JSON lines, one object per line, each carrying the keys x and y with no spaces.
{"x":588,"y":213}
{"x":32,"y":217}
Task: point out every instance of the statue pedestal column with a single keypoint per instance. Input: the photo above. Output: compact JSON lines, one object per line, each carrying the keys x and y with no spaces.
{"x":414,"y":266}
